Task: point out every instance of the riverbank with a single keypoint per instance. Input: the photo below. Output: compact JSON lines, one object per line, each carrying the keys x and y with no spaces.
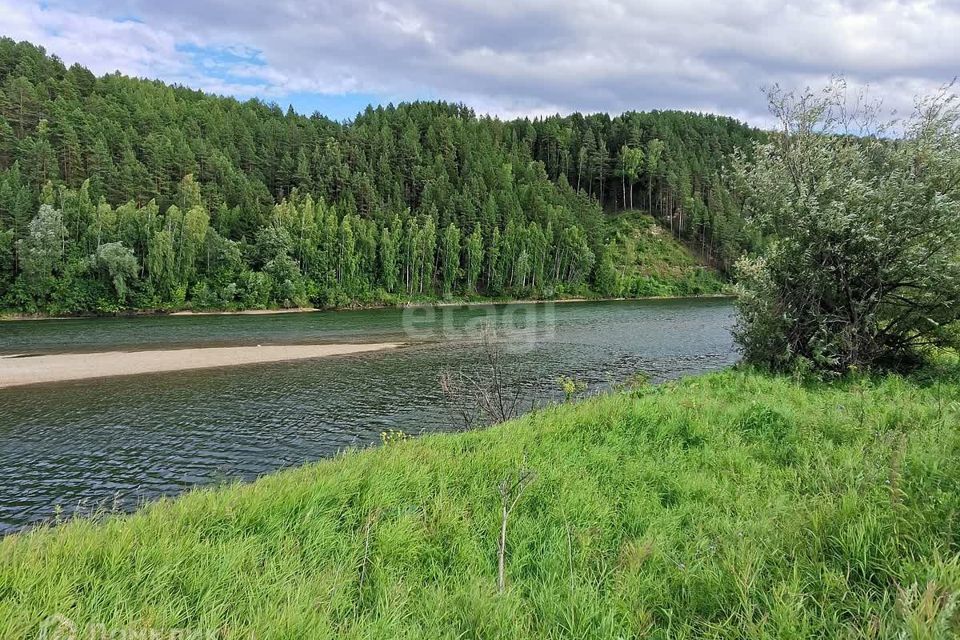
{"x":357,"y":307}
{"x":244,"y":312}
{"x":729,"y":505}
{"x":23,"y":370}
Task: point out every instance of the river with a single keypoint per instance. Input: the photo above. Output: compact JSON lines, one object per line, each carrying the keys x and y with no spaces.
{"x":112,"y":443}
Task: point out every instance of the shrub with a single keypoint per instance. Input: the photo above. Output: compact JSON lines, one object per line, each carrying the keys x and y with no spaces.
{"x":863,"y":264}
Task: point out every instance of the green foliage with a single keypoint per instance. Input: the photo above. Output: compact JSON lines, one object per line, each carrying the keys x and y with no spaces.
{"x":636,"y":382}
{"x":734,"y":505}
{"x":571,"y":387}
{"x":608,"y":280}
{"x":418,"y":200}
{"x":450,"y":256}
{"x":41,"y":251}
{"x":161,"y":260}
{"x":862,"y":267}
{"x":642,"y":260}
{"x":669,"y":163}
{"x":473,"y":258}
{"x":119,"y":265}
{"x":7,"y":261}
{"x":392,"y":436}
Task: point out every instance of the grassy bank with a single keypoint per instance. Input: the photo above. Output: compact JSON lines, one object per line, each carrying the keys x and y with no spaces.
{"x":730,"y":505}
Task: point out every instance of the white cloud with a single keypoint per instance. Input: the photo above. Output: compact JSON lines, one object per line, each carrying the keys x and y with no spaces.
{"x":509,"y":58}
{"x":100,"y":44}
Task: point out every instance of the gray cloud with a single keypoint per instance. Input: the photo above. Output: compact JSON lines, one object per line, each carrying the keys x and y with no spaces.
{"x":509,"y":58}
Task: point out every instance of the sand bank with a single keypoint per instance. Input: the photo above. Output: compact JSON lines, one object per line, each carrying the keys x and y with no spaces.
{"x":245,"y":312}
{"x":21,"y":370}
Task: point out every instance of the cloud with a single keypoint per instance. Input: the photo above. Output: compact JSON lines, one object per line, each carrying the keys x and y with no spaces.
{"x":103,"y":45}
{"x":511,"y":58}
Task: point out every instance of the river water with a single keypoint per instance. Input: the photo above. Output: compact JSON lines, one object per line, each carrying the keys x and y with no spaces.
{"x":116,"y":442}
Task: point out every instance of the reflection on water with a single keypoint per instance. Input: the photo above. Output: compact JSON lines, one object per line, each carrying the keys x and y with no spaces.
{"x":124,"y":440}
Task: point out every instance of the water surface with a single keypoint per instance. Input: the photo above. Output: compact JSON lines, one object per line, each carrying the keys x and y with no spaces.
{"x":116,"y":442}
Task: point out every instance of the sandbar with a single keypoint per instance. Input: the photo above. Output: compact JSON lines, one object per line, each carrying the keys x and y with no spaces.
{"x":22,"y":370}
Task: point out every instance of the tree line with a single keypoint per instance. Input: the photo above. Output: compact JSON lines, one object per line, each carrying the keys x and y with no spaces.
{"x":118,"y":192}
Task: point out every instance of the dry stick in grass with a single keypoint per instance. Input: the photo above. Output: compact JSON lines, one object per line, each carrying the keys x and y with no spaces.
{"x":510,"y":491}
{"x":371,"y":520}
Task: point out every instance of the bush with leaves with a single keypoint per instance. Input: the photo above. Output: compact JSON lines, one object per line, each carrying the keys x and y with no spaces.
{"x":119,"y":264}
{"x":862,"y":267}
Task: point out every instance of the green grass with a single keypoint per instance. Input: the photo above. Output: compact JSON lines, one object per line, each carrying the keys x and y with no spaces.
{"x":734,"y":505}
{"x":651,"y":262}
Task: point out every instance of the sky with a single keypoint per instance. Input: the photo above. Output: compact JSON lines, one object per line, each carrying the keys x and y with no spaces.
{"x":507,"y":57}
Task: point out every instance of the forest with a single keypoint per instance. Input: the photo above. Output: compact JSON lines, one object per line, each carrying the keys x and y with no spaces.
{"x":121,"y":193}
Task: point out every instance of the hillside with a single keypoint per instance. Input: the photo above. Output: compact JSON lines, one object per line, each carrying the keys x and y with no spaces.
{"x":642,"y":259}
{"x":733,"y":505}
{"x":162,"y":197}
{"x":669,"y":163}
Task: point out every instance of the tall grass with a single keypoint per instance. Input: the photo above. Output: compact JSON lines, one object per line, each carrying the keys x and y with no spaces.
{"x":733,"y":505}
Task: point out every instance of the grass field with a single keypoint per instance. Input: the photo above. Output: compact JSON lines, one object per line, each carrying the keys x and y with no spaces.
{"x":734,"y":505}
